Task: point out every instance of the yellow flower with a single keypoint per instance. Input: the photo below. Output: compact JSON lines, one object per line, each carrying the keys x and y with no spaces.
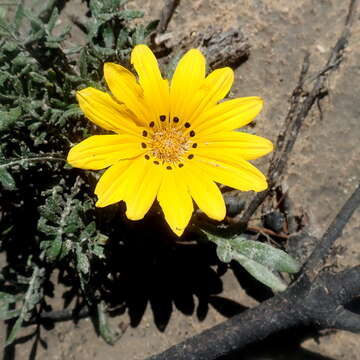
{"x":172,"y":142}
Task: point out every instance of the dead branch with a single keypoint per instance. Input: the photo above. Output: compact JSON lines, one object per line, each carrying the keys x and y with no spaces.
{"x":61,"y":315}
{"x":166,"y":14}
{"x":332,"y":233}
{"x":303,"y":303}
{"x":315,"y":300}
{"x":221,"y":48}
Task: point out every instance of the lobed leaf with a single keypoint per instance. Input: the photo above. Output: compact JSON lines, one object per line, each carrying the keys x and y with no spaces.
{"x":6,"y":180}
{"x":260,"y":272}
{"x":265,"y":254}
{"x":14,"y":331}
{"x":259,"y":259}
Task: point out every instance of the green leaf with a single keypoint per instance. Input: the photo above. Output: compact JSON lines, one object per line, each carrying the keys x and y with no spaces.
{"x":4,"y":76}
{"x":65,"y":249}
{"x":52,"y":44}
{"x":37,"y":77}
{"x":53,"y":251}
{"x":32,"y":297}
{"x":104,"y":52}
{"x":44,"y":9}
{"x":9,"y":46}
{"x":9,"y":118}
{"x":109,"y":335}
{"x":92,"y":26}
{"x":52,"y":21}
{"x":89,"y":230}
{"x":260,"y":272}
{"x":98,"y":251}
{"x":6,"y":314}
{"x":35,"y":22}
{"x":265,"y":254}
{"x":122,"y":39}
{"x":6,"y":180}
{"x":142,"y":32}
{"x":7,"y":230}
{"x":108,"y":36}
{"x":2,"y":12}
{"x":259,"y":259}
{"x":36,"y":36}
{"x":9,"y":298}
{"x":131,"y":14}
{"x":151,"y":27}
{"x":224,"y":252}
{"x":73,"y":50}
{"x":83,"y":264}
{"x":14,"y":331}
{"x":102,"y":239}
{"x":73,"y":111}
{"x":5,"y":28}
{"x":83,"y":65}
{"x":95,"y":6}
{"x":19,"y":15}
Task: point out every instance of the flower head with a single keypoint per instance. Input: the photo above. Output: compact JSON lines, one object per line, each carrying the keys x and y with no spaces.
{"x":173,"y":142}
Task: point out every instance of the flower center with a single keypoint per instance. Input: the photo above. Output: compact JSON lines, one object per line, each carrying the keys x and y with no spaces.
{"x":169,"y":145}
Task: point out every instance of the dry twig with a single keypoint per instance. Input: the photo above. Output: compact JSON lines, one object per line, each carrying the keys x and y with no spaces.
{"x":301,"y":103}
{"x":166,"y":15}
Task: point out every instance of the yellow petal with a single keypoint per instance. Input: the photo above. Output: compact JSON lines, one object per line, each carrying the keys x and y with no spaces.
{"x":156,"y":89}
{"x":112,"y":184}
{"x":175,"y":200}
{"x":204,"y":191}
{"x":141,"y":195}
{"x":123,"y":85}
{"x":214,"y":88}
{"x":229,"y":115}
{"x":189,"y":75}
{"x":105,"y":112}
{"x":231,"y":143}
{"x":101,"y":151}
{"x":236,"y":173}
{"x":134,"y":181}
{"x":119,"y":180}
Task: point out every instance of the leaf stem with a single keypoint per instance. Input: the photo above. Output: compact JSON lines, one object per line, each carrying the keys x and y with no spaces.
{"x":31,"y":159}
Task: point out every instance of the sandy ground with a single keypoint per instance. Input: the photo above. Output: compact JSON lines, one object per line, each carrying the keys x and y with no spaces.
{"x":322,"y":172}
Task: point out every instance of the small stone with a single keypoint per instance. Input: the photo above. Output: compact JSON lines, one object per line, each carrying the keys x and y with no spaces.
{"x":275,"y":221}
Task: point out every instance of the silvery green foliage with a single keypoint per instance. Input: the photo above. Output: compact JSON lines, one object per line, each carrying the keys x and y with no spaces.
{"x":107,"y":333}
{"x":47,"y":216}
{"x":261,"y":260}
{"x":66,"y":229}
{"x":29,"y":301}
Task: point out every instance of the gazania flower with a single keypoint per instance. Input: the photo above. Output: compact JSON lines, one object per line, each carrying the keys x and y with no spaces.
{"x":172,"y":142}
